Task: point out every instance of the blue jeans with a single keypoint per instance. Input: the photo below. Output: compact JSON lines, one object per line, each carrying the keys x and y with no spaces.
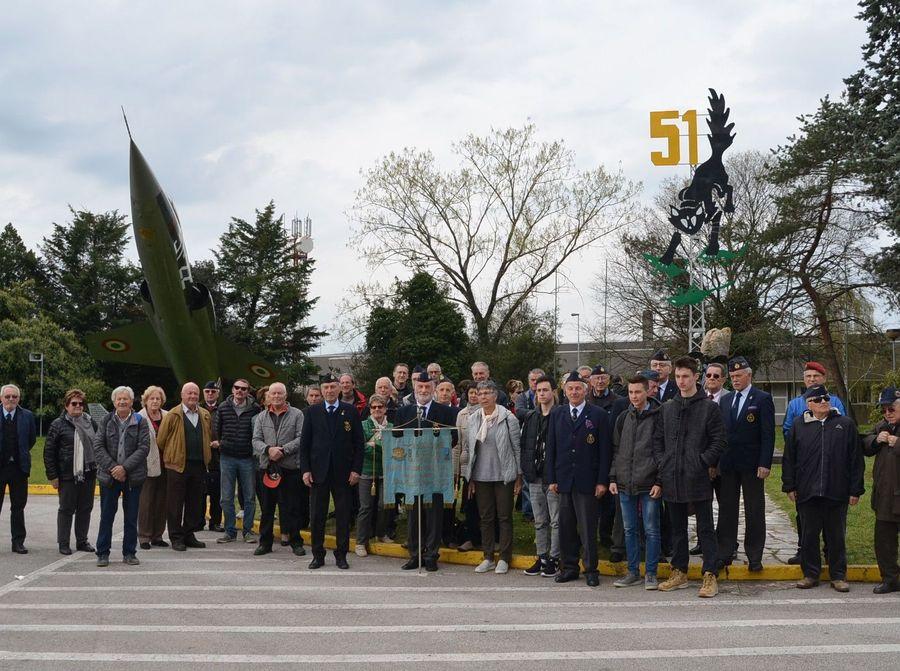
{"x":650,"y":509}
{"x":109,"y":504}
{"x":232,"y":468}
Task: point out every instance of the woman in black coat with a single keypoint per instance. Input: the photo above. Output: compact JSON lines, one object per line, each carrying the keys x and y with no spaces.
{"x":70,"y":466}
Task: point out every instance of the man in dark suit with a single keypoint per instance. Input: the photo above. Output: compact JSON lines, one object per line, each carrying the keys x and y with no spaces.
{"x":425,"y":412}
{"x":17,"y":437}
{"x":331,"y":458}
{"x":749,"y":417}
{"x":661,"y":363}
{"x":578,"y":455}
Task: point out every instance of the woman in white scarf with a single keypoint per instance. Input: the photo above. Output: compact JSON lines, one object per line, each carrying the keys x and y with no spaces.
{"x":69,"y":462}
{"x":491,"y":465}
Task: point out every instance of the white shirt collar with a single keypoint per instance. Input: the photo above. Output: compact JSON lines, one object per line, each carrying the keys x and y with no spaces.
{"x":579,"y":407}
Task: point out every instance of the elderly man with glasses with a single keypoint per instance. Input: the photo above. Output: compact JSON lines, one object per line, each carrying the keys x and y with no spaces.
{"x":234,"y":428}
{"x":17,"y":437}
{"x":822,"y":472}
{"x":882,"y":443}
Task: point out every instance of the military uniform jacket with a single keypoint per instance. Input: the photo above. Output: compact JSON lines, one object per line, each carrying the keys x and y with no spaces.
{"x":578,"y":453}
{"x":751,"y":437}
{"x":331,"y":442}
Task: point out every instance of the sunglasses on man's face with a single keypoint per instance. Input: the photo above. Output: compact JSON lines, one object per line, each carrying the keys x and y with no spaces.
{"x":820,"y":399}
{"x":239,"y":388}
{"x":714,"y":376}
{"x":376,"y":407}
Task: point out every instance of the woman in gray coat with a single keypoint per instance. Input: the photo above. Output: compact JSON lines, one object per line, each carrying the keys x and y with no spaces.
{"x":493,"y":471}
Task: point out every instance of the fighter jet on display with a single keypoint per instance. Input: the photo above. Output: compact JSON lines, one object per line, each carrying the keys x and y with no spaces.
{"x":181,"y":331}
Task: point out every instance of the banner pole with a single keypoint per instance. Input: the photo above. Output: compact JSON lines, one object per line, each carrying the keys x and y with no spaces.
{"x":421,"y":498}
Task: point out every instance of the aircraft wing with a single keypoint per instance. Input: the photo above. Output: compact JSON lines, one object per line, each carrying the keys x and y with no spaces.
{"x":135,"y":343}
{"x":237,"y":361}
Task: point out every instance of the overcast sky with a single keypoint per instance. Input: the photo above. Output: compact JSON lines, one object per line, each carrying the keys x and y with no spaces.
{"x":234,"y":104}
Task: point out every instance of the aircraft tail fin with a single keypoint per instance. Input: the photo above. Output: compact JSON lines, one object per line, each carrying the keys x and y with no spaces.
{"x":237,"y":361}
{"x":135,"y":343}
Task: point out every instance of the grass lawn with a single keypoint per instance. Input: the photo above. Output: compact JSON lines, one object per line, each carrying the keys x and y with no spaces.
{"x":38,"y":473}
{"x":860,"y":518}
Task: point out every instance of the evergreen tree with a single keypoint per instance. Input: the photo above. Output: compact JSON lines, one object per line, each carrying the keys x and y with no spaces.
{"x":91,"y":286}
{"x":17,"y":262}
{"x":265,"y":293}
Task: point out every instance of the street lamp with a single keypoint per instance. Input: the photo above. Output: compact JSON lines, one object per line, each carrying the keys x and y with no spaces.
{"x":38,"y":357}
{"x":577,"y":316}
{"x":893,"y":334}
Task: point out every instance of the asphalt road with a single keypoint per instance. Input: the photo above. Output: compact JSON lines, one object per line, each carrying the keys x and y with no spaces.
{"x":222,"y":608}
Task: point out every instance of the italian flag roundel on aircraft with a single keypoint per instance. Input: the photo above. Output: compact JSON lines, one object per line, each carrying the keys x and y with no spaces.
{"x":260,"y":370}
{"x":115,"y":345}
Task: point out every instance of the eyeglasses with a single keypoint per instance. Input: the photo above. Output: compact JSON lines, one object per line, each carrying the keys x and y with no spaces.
{"x":240,"y":388}
{"x":820,"y":399}
{"x":715,"y":376}
{"x":376,"y":407}
{"x":10,"y":397}
{"x":76,"y":404}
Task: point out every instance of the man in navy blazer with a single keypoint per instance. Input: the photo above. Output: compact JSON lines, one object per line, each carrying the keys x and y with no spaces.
{"x":749,"y":417}
{"x":17,"y":436}
{"x":578,"y":455}
{"x":331,"y":459}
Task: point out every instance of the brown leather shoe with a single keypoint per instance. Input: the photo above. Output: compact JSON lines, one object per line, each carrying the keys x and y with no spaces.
{"x":840,"y":585}
{"x":807,"y":583}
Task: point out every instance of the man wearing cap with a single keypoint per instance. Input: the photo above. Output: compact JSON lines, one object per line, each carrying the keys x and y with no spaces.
{"x":822,"y":471}
{"x":276,"y":443}
{"x":813,"y":374}
{"x":578,"y":456}
{"x":749,"y":417}
{"x":183,"y":438}
{"x":882,"y":442}
{"x":331,"y":459}
{"x":428,"y":413}
{"x":210,"y":403}
{"x":652,"y":382}
{"x":687,"y":442}
{"x":661,"y":363}
{"x":600,"y":393}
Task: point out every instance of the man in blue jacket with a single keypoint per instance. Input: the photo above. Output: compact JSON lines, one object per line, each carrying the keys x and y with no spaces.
{"x":579,"y":451}
{"x":17,"y":437}
{"x":749,"y":417}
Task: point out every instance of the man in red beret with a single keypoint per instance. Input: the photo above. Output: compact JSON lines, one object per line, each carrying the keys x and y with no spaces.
{"x":813,"y":375}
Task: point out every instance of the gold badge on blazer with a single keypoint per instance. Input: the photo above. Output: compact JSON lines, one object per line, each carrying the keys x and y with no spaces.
{"x":347,"y":426}
{"x":751,"y":417}
{"x":590,"y":439}
{"x":398,"y":453}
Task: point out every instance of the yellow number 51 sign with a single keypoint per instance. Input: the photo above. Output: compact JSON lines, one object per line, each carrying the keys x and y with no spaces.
{"x":665,"y":125}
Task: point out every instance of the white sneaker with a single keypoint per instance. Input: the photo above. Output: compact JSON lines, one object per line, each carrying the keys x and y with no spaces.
{"x":502,"y":567}
{"x":239,"y":514}
{"x":361,"y":550}
{"x":485,"y":566}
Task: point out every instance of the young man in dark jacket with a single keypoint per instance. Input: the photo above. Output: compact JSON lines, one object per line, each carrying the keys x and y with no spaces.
{"x":688,"y":442}
{"x":544,"y":503}
{"x":883,"y":443}
{"x":634,"y":476}
{"x":822,"y":471}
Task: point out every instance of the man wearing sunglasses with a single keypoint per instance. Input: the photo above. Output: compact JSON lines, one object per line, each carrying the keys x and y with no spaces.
{"x":234,"y":427}
{"x":17,"y":437}
{"x":883,"y":443}
{"x":714,"y":381}
{"x":822,"y":472}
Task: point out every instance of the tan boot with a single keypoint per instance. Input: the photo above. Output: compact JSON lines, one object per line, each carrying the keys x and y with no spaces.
{"x":677,"y":580}
{"x":840,"y":585}
{"x":807,"y":583}
{"x":710,"y":586}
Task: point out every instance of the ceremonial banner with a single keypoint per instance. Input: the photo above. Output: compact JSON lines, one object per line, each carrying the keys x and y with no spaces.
{"x":417,"y":462}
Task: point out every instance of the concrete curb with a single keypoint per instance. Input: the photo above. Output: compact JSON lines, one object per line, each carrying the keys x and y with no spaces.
{"x":770,"y":572}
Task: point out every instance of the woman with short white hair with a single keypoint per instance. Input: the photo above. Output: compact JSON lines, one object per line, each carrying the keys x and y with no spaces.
{"x":120,"y":449}
{"x":491,"y":465}
{"x":152,"y":508}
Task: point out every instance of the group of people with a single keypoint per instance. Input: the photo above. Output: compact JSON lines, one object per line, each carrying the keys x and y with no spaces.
{"x":584,"y":460}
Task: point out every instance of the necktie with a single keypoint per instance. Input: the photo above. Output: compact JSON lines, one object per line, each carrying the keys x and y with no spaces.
{"x":574,"y":414}
{"x":711,"y":397}
{"x":9,"y":417}
{"x":736,"y":406}
{"x":331,"y":410}
{"x":422,"y":410}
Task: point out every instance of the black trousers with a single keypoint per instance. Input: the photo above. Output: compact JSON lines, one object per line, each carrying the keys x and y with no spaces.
{"x":185,"y":496}
{"x":76,"y":499}
{"x":828,"y":517}
{"x":318,"y":509}
{"x":287,"y":497}
{"x":732,"y":484}
{"x":303,"y":505}
{"x":606,"y":523}
{"x":432,"y":528}
{"x":11,"y":476}
{"x":706,"y":532}
{"x":214,"y":493}
{"x":886,"y":535}
{"x":578,"y":517}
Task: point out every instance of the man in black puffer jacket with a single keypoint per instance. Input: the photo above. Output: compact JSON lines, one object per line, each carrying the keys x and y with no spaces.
{"x":822,"y":472}
{"x":234,"y":428}
{"x":688,"y":443}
